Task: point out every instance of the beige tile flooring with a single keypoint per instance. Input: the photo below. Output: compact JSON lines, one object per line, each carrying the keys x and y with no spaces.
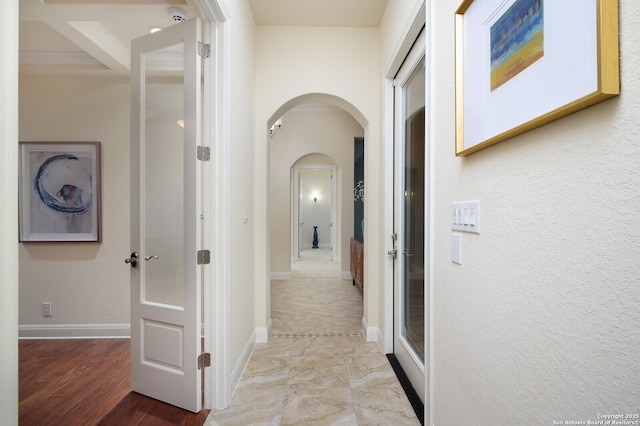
{"x":316,"y":369}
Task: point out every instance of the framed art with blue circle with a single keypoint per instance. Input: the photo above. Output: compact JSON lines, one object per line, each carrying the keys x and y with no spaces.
{"x":60,"y":197}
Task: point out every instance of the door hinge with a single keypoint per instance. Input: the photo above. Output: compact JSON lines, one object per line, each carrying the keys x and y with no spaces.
{"x":204,"y":49}
{"x":204,"y":257}
{"x":204,"y":153}
{"x":204,"y":360}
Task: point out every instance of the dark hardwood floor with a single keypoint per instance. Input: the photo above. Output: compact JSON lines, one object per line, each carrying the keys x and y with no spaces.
{"x":86,"y":382}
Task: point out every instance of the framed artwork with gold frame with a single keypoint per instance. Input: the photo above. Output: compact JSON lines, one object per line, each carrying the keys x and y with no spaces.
{"x":521,"y":64}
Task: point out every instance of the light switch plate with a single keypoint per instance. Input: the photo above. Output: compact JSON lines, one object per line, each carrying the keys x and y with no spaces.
{"x":456,"y":248}
{"x":465,"y":216}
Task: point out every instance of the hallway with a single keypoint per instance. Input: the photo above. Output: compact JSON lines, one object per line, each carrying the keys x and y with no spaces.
{"x":316,"y":368}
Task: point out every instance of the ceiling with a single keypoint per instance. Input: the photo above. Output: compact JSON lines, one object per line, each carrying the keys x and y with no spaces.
{"x":93,"y":36}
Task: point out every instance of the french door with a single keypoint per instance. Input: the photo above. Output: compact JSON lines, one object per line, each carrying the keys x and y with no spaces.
{"x":409,"y":216}
{"x":165,"y":216}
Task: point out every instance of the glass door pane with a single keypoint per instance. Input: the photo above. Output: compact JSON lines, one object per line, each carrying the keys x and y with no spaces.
{"x":164,"y":179}
{"x":414,"y":215}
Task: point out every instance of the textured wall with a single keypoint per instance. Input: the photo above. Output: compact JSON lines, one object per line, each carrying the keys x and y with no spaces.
{"x":541,"y":320}
{"x":87,"y":283}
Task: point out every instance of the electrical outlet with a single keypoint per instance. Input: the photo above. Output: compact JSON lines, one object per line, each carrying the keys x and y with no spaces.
{"x":46,"y":309}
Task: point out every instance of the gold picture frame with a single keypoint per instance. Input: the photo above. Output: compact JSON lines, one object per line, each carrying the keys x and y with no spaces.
{"x":521,"y":64}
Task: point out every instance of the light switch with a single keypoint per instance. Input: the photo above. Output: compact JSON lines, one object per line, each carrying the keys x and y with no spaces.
{"x":465,"y":216}
{"x":456,"y":248}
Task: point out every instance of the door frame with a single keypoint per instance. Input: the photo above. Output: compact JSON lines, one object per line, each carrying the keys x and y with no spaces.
{"x":9,"y":190}
{"x":216,"y":292}
{"x":216,"y":299}
{"x":216,"y":104}
{"x":420,"y":18}
{"x":295,"y":208}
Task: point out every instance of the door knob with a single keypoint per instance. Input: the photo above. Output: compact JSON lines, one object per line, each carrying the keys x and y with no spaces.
{"x":133,"y":260}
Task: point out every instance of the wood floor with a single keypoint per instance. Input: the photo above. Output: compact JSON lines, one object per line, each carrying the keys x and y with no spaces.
{"x":86,"y":382}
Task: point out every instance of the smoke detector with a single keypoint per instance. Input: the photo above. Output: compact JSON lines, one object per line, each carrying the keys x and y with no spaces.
{"x":177,"y":15}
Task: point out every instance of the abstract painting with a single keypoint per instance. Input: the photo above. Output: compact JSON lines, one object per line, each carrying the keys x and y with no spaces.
{"x":521,"y":64}
{"x":517,"y":40}
{"x":60,"y":191}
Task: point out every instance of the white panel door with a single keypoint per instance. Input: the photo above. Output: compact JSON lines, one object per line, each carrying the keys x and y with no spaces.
{"x":409,"y":217}
{"x":165,"y":216}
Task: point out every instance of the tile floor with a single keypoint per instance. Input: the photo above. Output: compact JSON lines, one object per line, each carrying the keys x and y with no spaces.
{"x":316,"y":369}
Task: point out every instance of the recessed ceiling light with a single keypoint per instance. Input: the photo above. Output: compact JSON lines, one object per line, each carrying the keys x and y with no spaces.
{"x":154,"y":29}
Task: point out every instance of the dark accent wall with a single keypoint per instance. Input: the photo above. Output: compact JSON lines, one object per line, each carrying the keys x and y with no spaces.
{"x":358,"y":175}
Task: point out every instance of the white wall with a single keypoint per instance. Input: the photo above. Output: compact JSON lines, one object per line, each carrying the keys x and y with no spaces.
{"x":8,"y":212}
{"x":397,"y":18}
{"x":342,"y":62}
{"x":540,"y":322}
{"x":241,"y":178}
{"x":330,"y":133}
{"x":87,"y":283}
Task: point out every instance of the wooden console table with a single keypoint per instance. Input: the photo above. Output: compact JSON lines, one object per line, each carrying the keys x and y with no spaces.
{"x":357,"y":262}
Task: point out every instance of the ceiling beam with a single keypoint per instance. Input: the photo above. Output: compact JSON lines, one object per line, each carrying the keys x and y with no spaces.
{"x":94,"y":39}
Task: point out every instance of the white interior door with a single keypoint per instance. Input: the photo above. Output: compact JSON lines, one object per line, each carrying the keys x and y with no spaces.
{"x":165,"y":216}
{"x":409,"y":217}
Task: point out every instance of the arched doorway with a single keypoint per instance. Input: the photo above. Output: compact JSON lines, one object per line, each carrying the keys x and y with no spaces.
{"x":317,"y":125}
{"x":310,"y":128}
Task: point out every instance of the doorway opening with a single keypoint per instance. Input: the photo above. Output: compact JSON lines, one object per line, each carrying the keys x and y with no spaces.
{"x":313,"y":208}
{"x":310,"y":206}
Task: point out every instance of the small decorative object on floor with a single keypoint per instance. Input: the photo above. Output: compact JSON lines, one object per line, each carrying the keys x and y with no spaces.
{"x":315,"y":237}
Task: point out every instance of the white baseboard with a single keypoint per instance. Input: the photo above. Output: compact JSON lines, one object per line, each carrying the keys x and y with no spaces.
{"x":238,"y":369}
{"x":371,"y":334}
{"x":74,"y":331}
{"x":259,"y":335}
{"x":281,"y":275}
{"x":346,"y":275}
{"x":262,"y":333}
